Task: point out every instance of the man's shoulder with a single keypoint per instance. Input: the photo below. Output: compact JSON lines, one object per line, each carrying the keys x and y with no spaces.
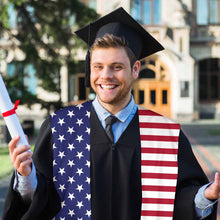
{"x":147,"y":114}
{"x":74,"y":108}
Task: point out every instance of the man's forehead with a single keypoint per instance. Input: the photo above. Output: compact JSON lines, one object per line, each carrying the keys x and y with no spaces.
{"x":115,"y":55}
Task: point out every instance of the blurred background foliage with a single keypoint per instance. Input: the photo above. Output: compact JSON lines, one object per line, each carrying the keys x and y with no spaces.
{"x":44,"y":33}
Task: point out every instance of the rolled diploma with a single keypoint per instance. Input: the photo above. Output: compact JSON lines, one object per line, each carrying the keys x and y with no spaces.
{"x":11,"y":121}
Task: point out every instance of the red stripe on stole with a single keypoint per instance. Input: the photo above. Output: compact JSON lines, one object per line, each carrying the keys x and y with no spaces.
{"x":159,"y":188}
{"x":159,"y":125}
{"x":157,"y":213}
{"x":159,"y":176}
{"x":147,"y":112}
{"x":159,"y":150}
{"x":157,"y":201}
{"x":159,"y":163}
{"x":159,"y":138}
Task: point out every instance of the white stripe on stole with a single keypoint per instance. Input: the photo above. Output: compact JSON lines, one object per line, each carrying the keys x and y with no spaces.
{"x":159,"y":157}
{"x":159,"y":167}
{"x":159,"y":131}
{"x":159,"y":195}
{"x":154,"y":119}
{"x":158,"y":182}
{"x":163,"y":144}
{"x":155,"y":218}
{"x":157,"y":207}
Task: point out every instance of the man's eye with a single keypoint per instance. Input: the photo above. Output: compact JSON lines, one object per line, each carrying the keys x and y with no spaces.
{"x":97,"y":67}
{"x":117,"y":67}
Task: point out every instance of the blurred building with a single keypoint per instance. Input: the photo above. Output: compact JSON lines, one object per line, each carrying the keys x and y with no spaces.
{"x":181,"y":82}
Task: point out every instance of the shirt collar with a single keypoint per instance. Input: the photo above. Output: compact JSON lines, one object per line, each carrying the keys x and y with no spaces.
{"x":122,"y":115}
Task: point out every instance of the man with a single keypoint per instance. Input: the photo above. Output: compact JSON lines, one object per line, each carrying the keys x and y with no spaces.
{"x":141,"y":167}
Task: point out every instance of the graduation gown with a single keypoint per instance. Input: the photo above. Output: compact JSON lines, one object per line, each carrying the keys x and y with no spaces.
{"x":115,"y":178}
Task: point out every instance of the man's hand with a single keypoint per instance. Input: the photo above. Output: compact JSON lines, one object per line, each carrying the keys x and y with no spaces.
{"x":212,"y":192}
{"x":20,"y":157}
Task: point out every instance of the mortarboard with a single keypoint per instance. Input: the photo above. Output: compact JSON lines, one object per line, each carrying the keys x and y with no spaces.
{"x":120,"y":24}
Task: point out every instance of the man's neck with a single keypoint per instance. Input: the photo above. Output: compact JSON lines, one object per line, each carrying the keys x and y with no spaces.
{"x":113,"y":108}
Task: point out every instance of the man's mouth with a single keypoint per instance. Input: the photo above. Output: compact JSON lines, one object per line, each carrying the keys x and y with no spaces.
{"x":108,"y":86}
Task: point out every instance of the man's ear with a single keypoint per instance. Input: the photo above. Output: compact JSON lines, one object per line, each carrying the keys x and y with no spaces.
{"x":136,"y":69}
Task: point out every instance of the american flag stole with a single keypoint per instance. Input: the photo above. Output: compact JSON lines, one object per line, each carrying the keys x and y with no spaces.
{"x":159,"y":166}
{"x":71,"y":163}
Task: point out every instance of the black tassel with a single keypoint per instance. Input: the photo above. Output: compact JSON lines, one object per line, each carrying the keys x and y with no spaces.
{"x":87,"y":70}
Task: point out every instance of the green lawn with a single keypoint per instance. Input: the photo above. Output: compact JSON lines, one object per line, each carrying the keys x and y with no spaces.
{"x":6,"y":166}
{"x":214,"y":132}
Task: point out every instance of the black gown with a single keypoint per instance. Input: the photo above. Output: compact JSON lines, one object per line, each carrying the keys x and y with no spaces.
{"x":115,"y":178}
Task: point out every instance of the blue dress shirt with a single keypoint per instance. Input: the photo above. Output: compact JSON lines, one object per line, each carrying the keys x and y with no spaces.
{"x":124,"y":117}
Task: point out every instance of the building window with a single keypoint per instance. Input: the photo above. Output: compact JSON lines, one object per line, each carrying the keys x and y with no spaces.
{"x":30,"y":79}
{"x":209,"y":80}
{"x":77,"y":90}
{"x":147,"y":74}
{"x":93,"y":4}
{"x":147,"y":12}
{"x":72,"y":85}
{"x":26,"y":78}
{"x":153,"y":97}
{"x":208,"y":12}
{"x":164,"y":97}
{"x":153,"y":70}
{"x":14,"y":18}
{"x":12,"y":14}
{"x":184,"y":89}
{"x":181,"y":45}
{"x":141,"y":97}
{"x":27,"y":72}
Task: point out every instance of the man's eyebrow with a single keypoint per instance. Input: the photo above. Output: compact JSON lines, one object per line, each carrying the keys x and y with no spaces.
{"x":96,"y":63}
{"x":114,"y":63}
{"x":118,"y":63}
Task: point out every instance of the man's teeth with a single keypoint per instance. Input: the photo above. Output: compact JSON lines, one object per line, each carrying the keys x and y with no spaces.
{"x":108,"y":86}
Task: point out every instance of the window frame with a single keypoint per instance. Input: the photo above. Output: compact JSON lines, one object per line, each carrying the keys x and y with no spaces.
{"x":138,"y":8}
{"x":25,"y":71}
{"x":208,"y":87}
{"x":208,"y":13}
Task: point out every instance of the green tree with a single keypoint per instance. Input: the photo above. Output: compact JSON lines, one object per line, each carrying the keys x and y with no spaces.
{"x":45,"y":33}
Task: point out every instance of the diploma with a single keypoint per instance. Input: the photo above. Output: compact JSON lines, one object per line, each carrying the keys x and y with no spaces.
{"x":9,"y":115}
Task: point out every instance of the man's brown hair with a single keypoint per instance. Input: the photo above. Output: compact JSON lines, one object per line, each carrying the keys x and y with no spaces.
{"x":109,"y":40}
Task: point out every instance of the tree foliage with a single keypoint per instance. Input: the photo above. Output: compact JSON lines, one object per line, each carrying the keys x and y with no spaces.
{"x":45,"y":33}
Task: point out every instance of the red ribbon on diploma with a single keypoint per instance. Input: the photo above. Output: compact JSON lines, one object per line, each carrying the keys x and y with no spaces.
{"x":12,"y":111}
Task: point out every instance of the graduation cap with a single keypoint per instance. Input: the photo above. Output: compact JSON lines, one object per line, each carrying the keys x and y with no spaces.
{"x":120,"y":24}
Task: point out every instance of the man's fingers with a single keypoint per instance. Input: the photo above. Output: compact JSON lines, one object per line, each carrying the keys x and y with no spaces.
{"x":19,"y":159}
{"x":20,"y":156}
{"x":217,"y":183}
{"x":12,"y":144}
{"x":25,"y":163}
{"x":19,"y":150}
{"x":217,"y":178}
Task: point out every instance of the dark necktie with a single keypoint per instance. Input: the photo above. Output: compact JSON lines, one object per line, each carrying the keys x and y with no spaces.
{"x":108,"y":127}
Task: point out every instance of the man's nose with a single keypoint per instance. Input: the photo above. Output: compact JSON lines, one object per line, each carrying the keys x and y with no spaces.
{"x":107,"y":72}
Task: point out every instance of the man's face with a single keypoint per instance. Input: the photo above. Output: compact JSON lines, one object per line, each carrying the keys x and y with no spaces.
{"x":112,"y":77}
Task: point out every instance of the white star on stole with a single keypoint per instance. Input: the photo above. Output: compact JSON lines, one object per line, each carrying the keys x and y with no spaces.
{"x":61,"y":121}
{"x":79,"y":171}
{"x":70,"y":130}
{"x":79,"y":188}
{"x":79,"y":122}
{"x":70,"y":114}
